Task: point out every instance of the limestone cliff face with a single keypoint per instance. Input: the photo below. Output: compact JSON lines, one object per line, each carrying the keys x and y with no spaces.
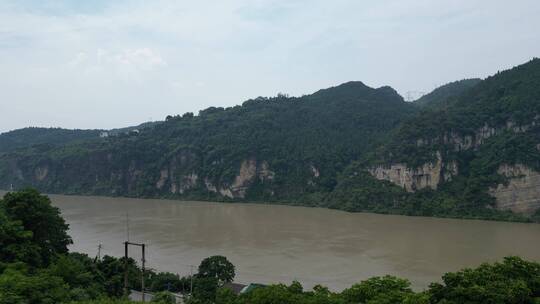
{"x":250,"y":170}
{"x":41,"y":172}
{"x":180,"y":174}
{"x":522,"y":193}
{"x":175,"y":174}
{"x":429,"y":175}
{"x":461,"y":142}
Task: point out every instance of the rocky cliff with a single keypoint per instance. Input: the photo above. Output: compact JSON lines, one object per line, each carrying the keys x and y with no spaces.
{"x":521,"y":193}
{"x":429,"y":175}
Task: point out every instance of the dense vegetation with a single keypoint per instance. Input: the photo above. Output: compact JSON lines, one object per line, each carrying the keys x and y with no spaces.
{"x":444,"y":95}
{"x":36,"y":267}
{"x":22,"y":138}
{"x":324,"y":131}
{"x":505,"y":106}
{"x":32,"y":136}
{"x":313,"y":150}
{"x":511,"y":96}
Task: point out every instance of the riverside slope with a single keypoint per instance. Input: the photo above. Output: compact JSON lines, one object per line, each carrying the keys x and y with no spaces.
{"x":474,"y":154}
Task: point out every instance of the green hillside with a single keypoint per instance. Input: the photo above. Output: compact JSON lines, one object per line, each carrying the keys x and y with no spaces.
{"x":493,"y":124}
{"x":348,"y":147}
{"x":284,"y":147}
{"x":12,"y":140}
{"x":444,"y":94}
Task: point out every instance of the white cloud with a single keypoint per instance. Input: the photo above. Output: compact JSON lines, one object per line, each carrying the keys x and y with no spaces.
{"x":143,"y":59}
{"x":127,"y":65}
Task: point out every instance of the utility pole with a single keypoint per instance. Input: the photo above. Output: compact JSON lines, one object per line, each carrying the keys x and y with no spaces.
{"x":99,"y":251}
{"x":191,"y":279}
{"x":126,"y":291}
{"x":143,"y":247}
{"x":142,"y":275}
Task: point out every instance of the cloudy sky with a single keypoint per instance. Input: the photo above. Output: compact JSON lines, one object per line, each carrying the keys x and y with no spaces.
{"x":106,"y":64}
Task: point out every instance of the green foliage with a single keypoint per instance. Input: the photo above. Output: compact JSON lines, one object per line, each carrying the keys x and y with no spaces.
{"x":294,"y":293}
{"x":19,"y":286}
{"x":512,"y":281}
{"x":104,"y":301}
{"x":443,"y":95}
{"x":80,"y":273}
{"x":313,"y":150}
{"x":463,"y":197}
{"x":76,"y":278}
{"x":35,"y":266}
{"x":225,"y":296}
{"x":27,"y":137}
{"x":166,"y":281}
{"x":16,"y":243}
{"x":112,"y":270}
{"x":325,"y":130}
{"x":506,"y":107}
{"x":205,"y":289}
{"x":378,"y":290}
{"x":36,"y":215}
{"x":217,"y":267}
{"x":510,"y":96}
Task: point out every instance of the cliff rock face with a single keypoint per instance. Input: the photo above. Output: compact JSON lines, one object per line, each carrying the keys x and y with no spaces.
{"x":181,"y":174}
{"x":522,"y":193}
{"x":461,"y":142}
{"x":250,"y":170}
{"x":41,"y":173}
{"x":412,"y":179}
{"x":433,"y":173}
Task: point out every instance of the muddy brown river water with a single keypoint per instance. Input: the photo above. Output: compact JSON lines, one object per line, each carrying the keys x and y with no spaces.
{"x":270,"y":243}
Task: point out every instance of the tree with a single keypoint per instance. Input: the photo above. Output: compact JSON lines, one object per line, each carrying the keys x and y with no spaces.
{"x":512,"y":281}
{"x":16,"y":243}
{"x":217,"y":267}
{"x":204,"y":289}
{"x":36,"y":214}
{"x":225,"y":295}
{"x":112,"y":270}
{"x":17,"y":286}
{"x":271,"y":294}
{"x":387,"y":289}
{"x":80,"y":273}
{"x":165,"y":281}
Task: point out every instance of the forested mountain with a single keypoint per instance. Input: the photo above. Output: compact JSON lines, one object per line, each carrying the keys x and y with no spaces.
{"x":12,"y":140}
{"x":27,"y":137}
{"x":276,"y":149}
{"x":144,"y":125}
{"x":446,"y":93}
{"x":478,"y":154}
{"x":349,"y":147}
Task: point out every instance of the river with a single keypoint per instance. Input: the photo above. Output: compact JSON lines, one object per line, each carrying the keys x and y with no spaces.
{"x":272,"y":243}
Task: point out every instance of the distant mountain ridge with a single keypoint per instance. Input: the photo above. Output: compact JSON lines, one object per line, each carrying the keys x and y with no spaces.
{"x":278,"y":149}
{"x":31,"y":136}
{"x":479,"y":152}
{"x":26,"y":137}
{"x":468,"y":149}
{"x":442,"y":94}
